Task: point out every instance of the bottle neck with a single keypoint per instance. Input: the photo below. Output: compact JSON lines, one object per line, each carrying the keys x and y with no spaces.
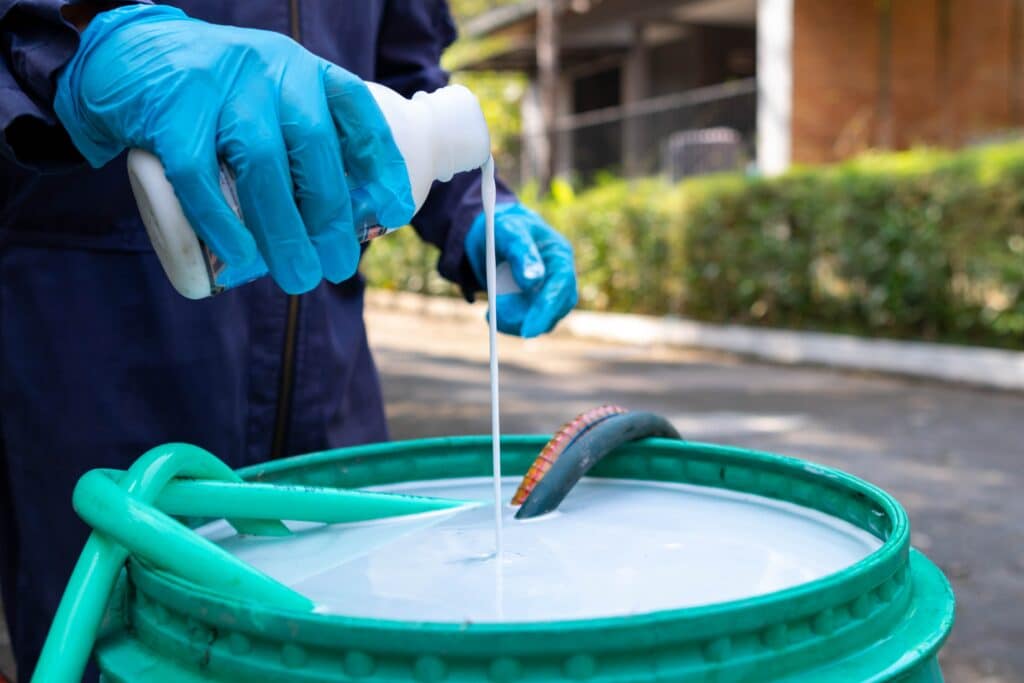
{"x":458,"y":132}
{"x":442,"y":147}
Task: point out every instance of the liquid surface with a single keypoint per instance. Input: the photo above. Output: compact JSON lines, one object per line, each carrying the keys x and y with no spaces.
{"x":614,"y":548}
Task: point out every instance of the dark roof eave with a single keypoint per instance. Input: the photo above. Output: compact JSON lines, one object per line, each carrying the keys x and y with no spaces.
{"x":484,"y":25}
{"x":523,"y":58}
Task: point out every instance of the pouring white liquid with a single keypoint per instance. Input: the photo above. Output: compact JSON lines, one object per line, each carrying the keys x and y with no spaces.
{"x":615,"y":547}
{"x":487,"y":194}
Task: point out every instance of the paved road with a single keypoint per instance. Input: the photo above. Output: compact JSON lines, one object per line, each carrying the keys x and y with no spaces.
{"x":953,"y":456}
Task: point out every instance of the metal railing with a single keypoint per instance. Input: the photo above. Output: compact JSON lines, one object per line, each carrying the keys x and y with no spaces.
{"x":634,"y":140}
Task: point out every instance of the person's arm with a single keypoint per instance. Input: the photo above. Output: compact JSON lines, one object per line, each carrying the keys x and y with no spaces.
{"x":413,"y":34}
{"x":37,"y":38}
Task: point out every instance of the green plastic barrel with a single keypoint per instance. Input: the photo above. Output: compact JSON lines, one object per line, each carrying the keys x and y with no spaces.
{"x":882,"y":619}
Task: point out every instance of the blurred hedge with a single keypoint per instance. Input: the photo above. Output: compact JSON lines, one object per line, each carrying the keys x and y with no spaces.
{"x":917,"y":245}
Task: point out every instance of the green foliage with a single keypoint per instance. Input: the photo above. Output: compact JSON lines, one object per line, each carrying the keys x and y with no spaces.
{"x":401,"y":261}
{"x":920,"y":245}
{"x":466,"y":9}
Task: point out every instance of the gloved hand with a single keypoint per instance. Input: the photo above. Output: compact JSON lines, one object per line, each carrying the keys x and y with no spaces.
{"x":289,"y":124}
{"x":541,"y":261}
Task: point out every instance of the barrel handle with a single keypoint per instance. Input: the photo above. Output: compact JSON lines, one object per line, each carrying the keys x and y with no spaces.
{"x":122,"y":512}
{"x":130,"y":513}
{"x":586,"y":451}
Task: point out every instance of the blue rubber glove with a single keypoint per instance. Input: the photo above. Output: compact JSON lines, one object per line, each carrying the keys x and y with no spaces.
{"x":541,"y":261}
{"x":301,"y":135}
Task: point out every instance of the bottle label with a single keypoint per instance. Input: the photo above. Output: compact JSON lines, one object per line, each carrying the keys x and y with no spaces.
{"x":372,"y":232}
{"x":214,"y":266}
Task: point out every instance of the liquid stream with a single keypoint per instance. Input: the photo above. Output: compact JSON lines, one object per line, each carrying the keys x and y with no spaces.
{"x":487,"y":194}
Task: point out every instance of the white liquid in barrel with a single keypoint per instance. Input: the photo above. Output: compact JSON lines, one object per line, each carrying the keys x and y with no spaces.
{"x":614,"y":548}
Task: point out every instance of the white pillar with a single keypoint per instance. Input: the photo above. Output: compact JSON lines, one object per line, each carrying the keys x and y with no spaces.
{"x":547,"y":83}
{"x":635,"y":87}
{"x":533,"y":152}
{"x":564,"y":139}
{"x":774,"y":85}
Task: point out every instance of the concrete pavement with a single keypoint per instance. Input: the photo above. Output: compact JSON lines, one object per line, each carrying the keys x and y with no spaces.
{"x":953,"y":456}
{"x":971,"y":365}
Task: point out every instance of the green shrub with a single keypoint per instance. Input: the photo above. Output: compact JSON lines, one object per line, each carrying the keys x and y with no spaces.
{"x":922,"y":245}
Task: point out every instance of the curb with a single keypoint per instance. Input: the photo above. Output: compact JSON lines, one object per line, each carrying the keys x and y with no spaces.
{"x":973,"y":365}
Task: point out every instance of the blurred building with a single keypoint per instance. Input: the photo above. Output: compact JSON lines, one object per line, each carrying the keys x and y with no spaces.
{"x":689,"y":86}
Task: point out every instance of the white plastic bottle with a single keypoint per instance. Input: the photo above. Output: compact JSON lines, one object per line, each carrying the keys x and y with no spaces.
{"x":439,"y":134}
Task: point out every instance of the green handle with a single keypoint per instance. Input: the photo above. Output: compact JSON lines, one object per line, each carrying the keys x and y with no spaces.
{"x":81,"y":608}
{"x":154,"y":536}
{"x":299,"y":503}
{"x":120,"y":508}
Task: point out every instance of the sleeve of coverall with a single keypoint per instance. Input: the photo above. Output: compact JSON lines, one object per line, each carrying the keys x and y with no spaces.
{"x":413,"y":34}
{"x":35,"y":43}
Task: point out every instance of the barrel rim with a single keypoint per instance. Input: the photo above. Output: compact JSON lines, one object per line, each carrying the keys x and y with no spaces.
{"x":852,"y":603}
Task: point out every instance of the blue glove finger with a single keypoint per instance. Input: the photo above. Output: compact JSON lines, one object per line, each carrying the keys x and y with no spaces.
{"x":521,"y":236}
{"x":517,"y":246}
{"x":250,"y":141}
{"x":336,"y":242}
{"x":512,"y":309}
{"x":193,"y":171}
{"x":371,"y":156}
{"x":559,"y":294}
{"x":513,"y":243}
{"x":557,"y":297}
{"x":321,"y":189}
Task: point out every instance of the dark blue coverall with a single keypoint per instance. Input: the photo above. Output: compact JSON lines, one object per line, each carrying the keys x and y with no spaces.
{"x":100,"y":359}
